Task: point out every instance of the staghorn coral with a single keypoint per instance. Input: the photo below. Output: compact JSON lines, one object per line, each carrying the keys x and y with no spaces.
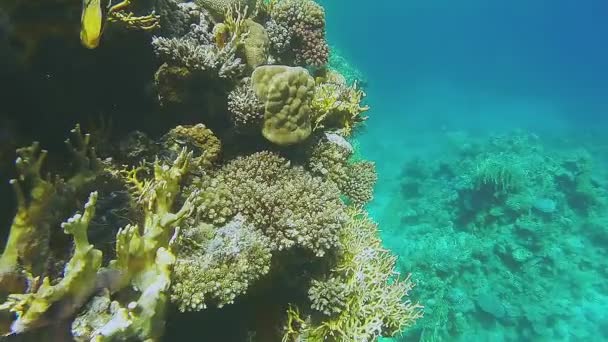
{"x":245,"y":109}
{"x":72,"y":291}
{"x":286,"y":93}
{"x":27,"y":244}
{"x":38,"y":199}
{"x":218,"y":264}
{"x":370,"y":299}
{"x":291,"y":208}
{"x":297,"y":29}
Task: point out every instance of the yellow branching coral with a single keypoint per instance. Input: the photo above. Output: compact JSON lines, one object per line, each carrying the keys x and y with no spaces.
{"x":72,"y":291}
{"x":337,"y":106}
{"x":29,"y":233}
{"x":233,"y":29}
{"x":145,"y":257}
{"x":119,"y":13}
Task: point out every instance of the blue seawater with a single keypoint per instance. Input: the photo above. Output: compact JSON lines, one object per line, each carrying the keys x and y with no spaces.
{"x":483,"y":112}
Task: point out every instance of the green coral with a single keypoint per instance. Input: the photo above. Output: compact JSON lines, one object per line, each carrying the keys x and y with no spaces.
{"x":286,"y":93}
{"x":218,"y":264}
{"x":198,"y":139}
{"x":255,"y":44}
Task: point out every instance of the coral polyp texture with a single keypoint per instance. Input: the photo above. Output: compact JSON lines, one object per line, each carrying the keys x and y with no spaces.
{"x":218,"y":197}
{"x":297,"y":31}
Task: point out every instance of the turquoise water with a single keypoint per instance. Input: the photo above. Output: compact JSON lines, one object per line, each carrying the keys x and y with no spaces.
{"x":469,"y":95}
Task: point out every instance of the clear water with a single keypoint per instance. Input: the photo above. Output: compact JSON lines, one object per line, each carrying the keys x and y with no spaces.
{"x":443,"y":75}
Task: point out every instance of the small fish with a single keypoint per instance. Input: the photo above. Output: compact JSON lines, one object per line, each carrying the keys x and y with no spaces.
{"x":91,"y":23}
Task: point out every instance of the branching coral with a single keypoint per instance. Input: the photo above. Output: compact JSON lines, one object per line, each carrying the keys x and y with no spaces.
{"x":197,"y":50}
{"x":218,"y":264}
{"x":27,"y":242}
{"x":144,"y":258}
{"x":329,"y":158}
{"x":292,"y":208}
{"x":246,"y":110}
{"x":337,"y":106}
{"x":218,"y":8}
{"x":297,"y":28}
{"x":72,"y":291}
{"x":26,"y":250}
{"x":362,"y":298}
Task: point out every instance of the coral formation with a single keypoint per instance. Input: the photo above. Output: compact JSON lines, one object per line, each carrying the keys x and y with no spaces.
{"x":514,"y":222}
{"x":297,"y":31}
{"x":218,"y":264}
{"x":337,"y":106}
{"x":246,"y":110}
{"x":218,"y":8}
{"x":285,"y":92}
{"x":330,"y":158}
{"x":226,"y":189}
{"x":287,"y":204}
{"x":354,"y":300}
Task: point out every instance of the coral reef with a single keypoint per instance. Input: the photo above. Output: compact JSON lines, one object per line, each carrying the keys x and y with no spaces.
{"x":225,"y":192}
{"x":517,"y":223}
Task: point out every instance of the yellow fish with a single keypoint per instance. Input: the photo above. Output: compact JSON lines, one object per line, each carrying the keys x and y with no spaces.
{"x":91,"y":23}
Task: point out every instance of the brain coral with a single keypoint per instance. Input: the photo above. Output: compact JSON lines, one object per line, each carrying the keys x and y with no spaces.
{"x":286,"y":93}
